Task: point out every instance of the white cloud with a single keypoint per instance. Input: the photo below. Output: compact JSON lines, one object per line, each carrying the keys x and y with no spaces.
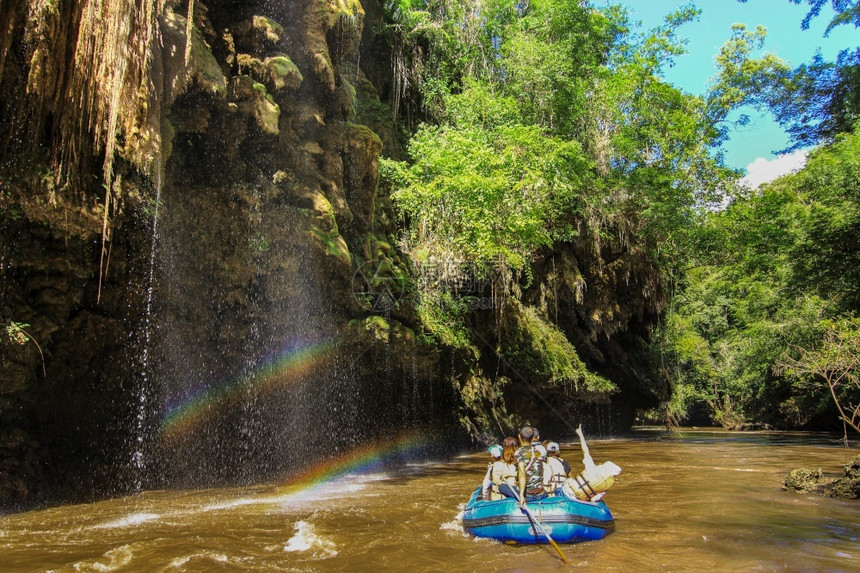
{"x":763,"y":170}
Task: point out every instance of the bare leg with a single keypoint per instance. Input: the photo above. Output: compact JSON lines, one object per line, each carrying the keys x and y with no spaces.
{"x":586,"y":457}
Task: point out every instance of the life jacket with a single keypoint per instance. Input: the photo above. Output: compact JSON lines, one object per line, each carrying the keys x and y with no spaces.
{"x":590,"y":483}
{"x":507,"y":475}
{"x":559,"y":473}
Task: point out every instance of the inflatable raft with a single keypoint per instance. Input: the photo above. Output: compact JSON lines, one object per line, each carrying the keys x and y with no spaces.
{"x":566,"y":521}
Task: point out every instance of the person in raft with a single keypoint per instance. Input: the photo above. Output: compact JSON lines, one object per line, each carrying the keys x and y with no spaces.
{"x":504,"y":473}
{"x":496,"y":454}
{"x":558,"y":468}
{"x":530,"y":468}
{"x":592,"y":483}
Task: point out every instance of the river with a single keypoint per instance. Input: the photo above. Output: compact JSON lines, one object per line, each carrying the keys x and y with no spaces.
{"x":693,"y":500}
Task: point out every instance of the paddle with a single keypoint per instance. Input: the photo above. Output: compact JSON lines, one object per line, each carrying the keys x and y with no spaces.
{"x":538,"y":525}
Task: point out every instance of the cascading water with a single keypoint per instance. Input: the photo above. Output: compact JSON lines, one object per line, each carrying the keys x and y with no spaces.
{"x":140,"y":434}
{"x":256,"y":357}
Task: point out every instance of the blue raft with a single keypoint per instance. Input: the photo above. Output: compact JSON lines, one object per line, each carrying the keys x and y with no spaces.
{"x":564,"y":520}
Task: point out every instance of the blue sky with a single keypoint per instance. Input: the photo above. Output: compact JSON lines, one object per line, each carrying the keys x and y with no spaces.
{"x":755,"y":142}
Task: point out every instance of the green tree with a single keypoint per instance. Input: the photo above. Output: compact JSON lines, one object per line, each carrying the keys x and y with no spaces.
{"x":770,"y":268}
{"x":835,"y":364}
{"x":487,"y":189}
{"x":817,"y":101}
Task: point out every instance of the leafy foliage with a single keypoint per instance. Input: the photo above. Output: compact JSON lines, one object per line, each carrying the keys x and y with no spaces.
{"x":817,"y":101}
{"x":836,"y":363}
{"x":539,"y":345}
{"x":771,"y":274}
{"x":486,"y":188}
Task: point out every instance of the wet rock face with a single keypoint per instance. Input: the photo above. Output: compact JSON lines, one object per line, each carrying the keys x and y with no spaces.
{"x":216,"y":311}
{"x":239,"y":295}
{"x":269,"y":201}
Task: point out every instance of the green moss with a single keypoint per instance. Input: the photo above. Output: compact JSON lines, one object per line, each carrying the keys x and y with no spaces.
{"x":334,"y":243}
{"x":283,"y":73}
{"x":364,"y":133}
{"x":266,"y":111}
{"x":261,"y":90}
{"x":537,"y":344}
{"x":381,"y":247}
{"x":209,"y":74}
{"x":802,"y":480}
{"x":346,"y":12}
{"x":283,"y":66}
{"x":443,"y":317}
{"x":369,"y":110}
{"x":271,"y":29}
{"x":376,"y":326}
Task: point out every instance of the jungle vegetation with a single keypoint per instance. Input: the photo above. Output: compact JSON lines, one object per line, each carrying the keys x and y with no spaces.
{"x":540,"y":122}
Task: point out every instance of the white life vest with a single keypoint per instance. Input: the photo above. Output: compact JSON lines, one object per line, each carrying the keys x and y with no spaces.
{"x":590,"y":483}
{"x":558,"y":475}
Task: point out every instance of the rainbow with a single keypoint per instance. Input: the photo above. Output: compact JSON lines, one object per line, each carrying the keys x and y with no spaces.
{"x":288,"y":367}
{"x":363,"y":459}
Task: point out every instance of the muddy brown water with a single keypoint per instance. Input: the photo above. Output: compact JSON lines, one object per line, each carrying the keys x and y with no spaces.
{"x":695,"y":500}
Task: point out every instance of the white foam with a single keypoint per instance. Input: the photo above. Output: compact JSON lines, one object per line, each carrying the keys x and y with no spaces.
{"x":111,"y":561}
{"x":128,"y":521}
{"x":180,"y":562}
{"x":306,"y":539}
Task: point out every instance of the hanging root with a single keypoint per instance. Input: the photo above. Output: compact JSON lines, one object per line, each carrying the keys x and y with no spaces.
{"x":189,"y":28}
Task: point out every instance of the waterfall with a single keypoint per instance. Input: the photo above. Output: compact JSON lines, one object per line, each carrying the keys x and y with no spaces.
{"x":140,"y":433}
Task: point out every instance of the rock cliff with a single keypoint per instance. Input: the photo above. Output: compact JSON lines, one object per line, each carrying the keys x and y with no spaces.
{"x":205,"y":308}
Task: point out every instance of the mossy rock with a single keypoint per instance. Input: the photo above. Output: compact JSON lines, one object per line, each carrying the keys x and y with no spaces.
{"x":848,"y":487}
{"x":379,"y":247}
{"x":349,"y":14}
{"x":202,"y":70}
{"x":362,"y":134}
{"x":276,"y":72}
{"x":377,"y":327}
{"x":346,"y":99}
{"x":268,"y":28}
{"x":334,"y":244}
{"x":283,"y":73}
{"x":257,"y":100}
{"x":538,"y":344}
{"x":250,"y":65}
{"x":257,"y":34}
{"x":802,"y":480}
{"x":267,"y":113}
{"x":324,"y":70}
{"x":317,"y":206}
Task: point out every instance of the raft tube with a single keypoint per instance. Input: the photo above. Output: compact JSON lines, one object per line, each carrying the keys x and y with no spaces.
{"x":566,"y":521}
